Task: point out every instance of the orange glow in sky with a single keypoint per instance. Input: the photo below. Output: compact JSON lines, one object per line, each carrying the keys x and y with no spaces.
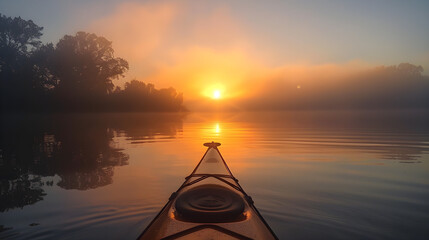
{"x":237,"y":63}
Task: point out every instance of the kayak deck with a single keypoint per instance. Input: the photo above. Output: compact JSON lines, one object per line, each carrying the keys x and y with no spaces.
{"x":210,"y":204}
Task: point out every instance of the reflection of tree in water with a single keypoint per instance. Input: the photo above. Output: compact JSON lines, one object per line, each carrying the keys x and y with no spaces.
{"x":25,"y":190}
{"x":85,"y":157}
{"x":76,"y":147}
{"x":87,"y":180}
{"x":143,"y":127}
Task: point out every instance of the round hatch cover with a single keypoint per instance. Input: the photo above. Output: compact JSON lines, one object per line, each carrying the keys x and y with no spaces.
{"x":209,"y":203}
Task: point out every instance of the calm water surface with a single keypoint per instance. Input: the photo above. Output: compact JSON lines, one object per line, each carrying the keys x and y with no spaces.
{"x":313,"y":175}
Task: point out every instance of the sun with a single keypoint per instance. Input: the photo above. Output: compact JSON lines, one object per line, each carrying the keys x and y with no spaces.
{"x":216,"y":94}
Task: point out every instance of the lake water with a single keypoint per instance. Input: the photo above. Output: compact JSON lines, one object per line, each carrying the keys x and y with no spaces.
{"x":312,"y":175}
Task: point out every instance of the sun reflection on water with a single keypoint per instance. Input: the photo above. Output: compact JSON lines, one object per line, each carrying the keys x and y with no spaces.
{"x":217,"y":129}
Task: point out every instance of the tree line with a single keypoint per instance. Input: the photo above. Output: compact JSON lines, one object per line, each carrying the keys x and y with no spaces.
{"x":76,"y":74}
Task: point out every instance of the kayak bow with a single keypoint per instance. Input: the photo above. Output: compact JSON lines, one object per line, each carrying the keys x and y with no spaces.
{"x":210,"y":204}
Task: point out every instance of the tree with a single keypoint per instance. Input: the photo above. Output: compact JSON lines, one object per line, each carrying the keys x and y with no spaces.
{"x":18,"y":36}
{"x":410,"y":69}
{"x":74,"y":75}
{"x":85,"y":65}
{"x":135,"y":87}
{"x":139,"y":96}
{"x":18,"y":39}
{"x":41,"y":71}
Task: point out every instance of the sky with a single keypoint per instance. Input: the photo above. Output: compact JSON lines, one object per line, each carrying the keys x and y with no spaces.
{"x":234,"y":48}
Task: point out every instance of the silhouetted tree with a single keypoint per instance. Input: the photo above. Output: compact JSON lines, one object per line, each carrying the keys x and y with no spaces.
{"x":42,"y":62}
{"x":407,"y":69}
{"x":74,"y":75}
{"x":138,"y":87}
{"x":18,"y":40}
{"x":85,"y":65}
{"x":138,"y":96}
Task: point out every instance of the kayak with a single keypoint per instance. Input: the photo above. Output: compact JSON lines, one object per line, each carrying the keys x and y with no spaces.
{"x":210,"y":204}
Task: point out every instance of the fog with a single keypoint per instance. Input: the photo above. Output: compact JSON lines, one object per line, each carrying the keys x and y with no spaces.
{"x":384,"y":87}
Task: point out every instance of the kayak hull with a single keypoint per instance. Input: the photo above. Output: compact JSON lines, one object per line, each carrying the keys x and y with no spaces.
{"x":210,"y":204}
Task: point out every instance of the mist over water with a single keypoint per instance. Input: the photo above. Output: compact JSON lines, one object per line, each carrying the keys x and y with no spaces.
{"x":312,"y":174}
